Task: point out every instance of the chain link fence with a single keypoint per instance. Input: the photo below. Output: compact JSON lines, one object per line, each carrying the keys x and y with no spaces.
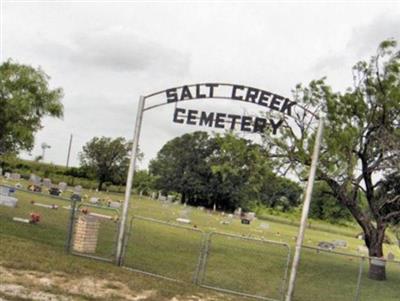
{"x":246,"y":266}
{"x":224,"y":262}
{"x":326,"y":275}
{"x":162,"y":249}
{"x":92,"y":231}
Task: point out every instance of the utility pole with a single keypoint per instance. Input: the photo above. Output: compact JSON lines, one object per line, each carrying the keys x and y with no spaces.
{"x":69,"y":150}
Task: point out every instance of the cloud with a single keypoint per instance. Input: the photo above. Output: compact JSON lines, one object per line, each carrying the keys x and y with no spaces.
{"x":117,"y":49}
{"x":362,"y":44}
{"x":365,"y":39}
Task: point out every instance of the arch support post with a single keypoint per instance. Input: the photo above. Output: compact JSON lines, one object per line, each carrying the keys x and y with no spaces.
{"x":129,"y":182}
{"x":306,"y":209}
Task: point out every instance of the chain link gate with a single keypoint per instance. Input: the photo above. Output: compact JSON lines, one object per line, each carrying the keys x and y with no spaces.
{"x":162,"y":249}
{"x":245,"y":266}
{"x":92,"y":231}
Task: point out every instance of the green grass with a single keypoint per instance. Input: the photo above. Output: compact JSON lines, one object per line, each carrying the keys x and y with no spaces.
{"x":252,"y":267}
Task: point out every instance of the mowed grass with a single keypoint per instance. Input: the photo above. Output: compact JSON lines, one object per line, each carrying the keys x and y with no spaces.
{"x":252,"y":267}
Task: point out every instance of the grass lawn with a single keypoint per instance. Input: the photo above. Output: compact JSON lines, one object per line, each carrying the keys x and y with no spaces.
{"x":252,"y":267}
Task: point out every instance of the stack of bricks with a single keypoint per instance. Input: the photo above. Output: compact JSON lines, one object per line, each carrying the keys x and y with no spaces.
{"x":86,"y":232}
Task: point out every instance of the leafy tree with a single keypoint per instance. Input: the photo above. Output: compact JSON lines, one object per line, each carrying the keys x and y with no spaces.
{"x":324,"y":205}
{"x":222,"y":171}
{"x":361,"y":142}
{"x":181,"y":166}
{"x":106,"y":159}
{"x":25,"y":98}
{"x":143,"y":182}
{"x":279,"y":192}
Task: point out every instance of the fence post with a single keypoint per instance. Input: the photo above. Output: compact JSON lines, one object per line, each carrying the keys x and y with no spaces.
{"x":199,"y":273}
{"x":70,"y":226}
{"x":360,"y":272}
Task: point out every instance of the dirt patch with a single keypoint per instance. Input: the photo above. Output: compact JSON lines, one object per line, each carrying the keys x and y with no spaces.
{"x":58,"y":286}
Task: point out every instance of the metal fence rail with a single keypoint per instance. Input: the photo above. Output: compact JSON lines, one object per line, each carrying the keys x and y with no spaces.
{"x":161,"y":249}
{"x":245,"y":266}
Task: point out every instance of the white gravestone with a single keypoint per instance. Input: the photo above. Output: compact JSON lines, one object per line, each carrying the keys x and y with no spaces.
{"x":62,"y":186}
{"x":47,"y":182}
{"x":15,"y":176}
{"x":115,"y":205}
{"x":94,"y":200}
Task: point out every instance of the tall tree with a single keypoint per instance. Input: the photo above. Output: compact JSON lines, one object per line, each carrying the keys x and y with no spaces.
{"x":361,"y":142}
{"x":222,"y":171}
{"x":106,"y":158}
{"x":181,"y":166}
{"x":25,"y":98}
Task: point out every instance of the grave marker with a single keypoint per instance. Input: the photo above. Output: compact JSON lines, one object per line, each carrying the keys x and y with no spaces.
{"x":62,"y":186}
{"x":47,"y":182}
{"x":15,"y":176}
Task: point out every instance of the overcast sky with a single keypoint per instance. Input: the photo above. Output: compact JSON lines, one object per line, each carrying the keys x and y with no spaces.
{"x":106,"y":54}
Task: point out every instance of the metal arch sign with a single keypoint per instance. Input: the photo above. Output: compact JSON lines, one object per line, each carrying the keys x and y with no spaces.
{"x":268,"y":100}
{"x":223,"y":120}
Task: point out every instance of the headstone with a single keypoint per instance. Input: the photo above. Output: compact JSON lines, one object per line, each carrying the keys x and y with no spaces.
{"x":390,"y":256}
{"x":153,"y":195}
{"x":230,"y":215}
{"x":6,"y":191}
{"x":170,"y":198}
{"x":7,"y":175}
{"x":340,"y":243}
{"x":264,"y":226}
{"x":238,"y":212}
{"x":62,"y":186}
{"x":47,"y":182}
{"x":115,"y":205}
{"x":1,"y":172}
{"x":34,"y":179}
{"x":94,"y":200}
{"x":15,"y":176}
{"x":78,"y":189}
{"x":8,"y":201}
{"x":326,"y":245}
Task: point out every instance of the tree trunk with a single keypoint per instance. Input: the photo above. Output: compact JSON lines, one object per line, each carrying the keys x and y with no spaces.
{"x":100,"y":185}
{"x":374,"y":241}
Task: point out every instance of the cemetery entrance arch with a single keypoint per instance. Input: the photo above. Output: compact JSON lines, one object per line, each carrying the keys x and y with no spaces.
{"x":270,"y":102}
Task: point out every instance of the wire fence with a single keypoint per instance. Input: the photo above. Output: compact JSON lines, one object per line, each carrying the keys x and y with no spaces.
{"x":326,"y":275}
{"x":162,"y":249}
{"x":224,"y":262}
{"x":103,"y":222}
{"x":246,"y":266}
